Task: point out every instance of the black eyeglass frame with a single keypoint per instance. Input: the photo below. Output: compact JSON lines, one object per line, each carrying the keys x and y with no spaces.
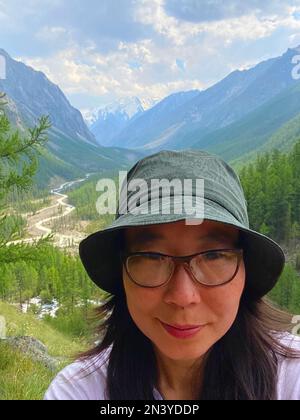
{"x":182,"y":259}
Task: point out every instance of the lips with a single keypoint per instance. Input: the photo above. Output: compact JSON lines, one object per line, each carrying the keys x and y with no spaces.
{"x":183,"y":327}
{"x":182,"y":331}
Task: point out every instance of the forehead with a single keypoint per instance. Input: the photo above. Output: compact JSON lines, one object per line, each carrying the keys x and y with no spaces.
{"x":208,"y":230}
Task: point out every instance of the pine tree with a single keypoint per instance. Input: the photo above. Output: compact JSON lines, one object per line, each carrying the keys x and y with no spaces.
{"x":18,"y":158}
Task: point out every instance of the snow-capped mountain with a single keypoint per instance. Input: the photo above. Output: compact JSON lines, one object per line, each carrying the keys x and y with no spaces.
{"x":106,"y":122}
{"x":185,"y":119}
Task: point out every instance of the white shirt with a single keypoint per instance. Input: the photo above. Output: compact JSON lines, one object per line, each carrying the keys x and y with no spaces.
{"x":87,"y":380}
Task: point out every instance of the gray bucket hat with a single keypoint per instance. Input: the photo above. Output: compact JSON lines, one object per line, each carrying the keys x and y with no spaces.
{"x":222,"y":200}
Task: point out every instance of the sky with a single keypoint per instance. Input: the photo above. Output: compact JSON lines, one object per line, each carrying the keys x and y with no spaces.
{"x":100,"y":50}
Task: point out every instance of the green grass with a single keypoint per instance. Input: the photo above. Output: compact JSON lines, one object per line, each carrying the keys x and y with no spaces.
{"x":20,"y":377}
{"x":25,"y":324}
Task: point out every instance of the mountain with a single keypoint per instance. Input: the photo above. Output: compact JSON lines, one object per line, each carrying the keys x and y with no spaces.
{"x":177,"y":124}
{"x":108,"y":121}
{"x":36,"y":95}
{"x":72,"y":149}
{"x":151,"y":130}
{"x":273,"y":124}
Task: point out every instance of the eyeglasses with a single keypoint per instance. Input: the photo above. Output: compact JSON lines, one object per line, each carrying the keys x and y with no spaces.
{"x":210,"y":268}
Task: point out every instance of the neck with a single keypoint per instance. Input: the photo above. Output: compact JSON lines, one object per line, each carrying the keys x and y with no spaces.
{"x":179,"y":379}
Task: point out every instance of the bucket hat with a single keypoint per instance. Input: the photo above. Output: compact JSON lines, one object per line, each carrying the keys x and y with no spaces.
{"x":221,"y":200}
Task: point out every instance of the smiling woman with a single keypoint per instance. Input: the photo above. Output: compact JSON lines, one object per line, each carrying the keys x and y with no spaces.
{"x":196,"y":305}
{"x":187,"y":317}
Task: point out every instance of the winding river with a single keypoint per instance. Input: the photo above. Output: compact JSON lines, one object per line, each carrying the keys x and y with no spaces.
{"x":60,"y":201}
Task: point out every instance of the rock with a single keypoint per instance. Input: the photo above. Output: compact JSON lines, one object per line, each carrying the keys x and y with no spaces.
{"x":33,"y":348}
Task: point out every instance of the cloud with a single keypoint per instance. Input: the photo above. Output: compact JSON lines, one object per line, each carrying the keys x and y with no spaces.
{"x":108,"y":20}
{"x":111,"y":48}
{"x":214,"y":10}
{"x":172,"y":29}
{"x":103,"y":23}
{"x":54,"y":33}
{"x":84,"y":72}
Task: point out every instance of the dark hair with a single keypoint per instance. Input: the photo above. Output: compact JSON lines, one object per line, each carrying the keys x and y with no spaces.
{"x":243,"y":365}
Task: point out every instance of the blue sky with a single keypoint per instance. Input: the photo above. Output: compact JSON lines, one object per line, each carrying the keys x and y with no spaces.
{"x":98,"y":51}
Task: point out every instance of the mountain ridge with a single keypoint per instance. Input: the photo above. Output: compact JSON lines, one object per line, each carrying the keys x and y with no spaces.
{"x":219,"y":106}
{"x":71,"y":148}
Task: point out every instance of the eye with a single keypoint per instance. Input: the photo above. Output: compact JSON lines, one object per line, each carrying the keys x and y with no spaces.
{"x":155,"y":257}
{"x":214,"y":255}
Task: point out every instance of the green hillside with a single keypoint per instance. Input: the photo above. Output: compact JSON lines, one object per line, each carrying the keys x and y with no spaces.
{"x":282,"y":139}
{"x":66,"y":158}
{"x":21,"y":377}
{"x":278,"y":117}
{"x":52,"y":168}
{"x":69,"y":159}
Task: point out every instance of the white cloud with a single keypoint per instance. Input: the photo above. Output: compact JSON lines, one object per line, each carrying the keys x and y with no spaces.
{"x":243,"y":28}
{"x":152,"y":12}
{"x":83,"y":72}
{"x":143,"y":49}
{"x":180,"y":33}
{"x":51,"y":33}
{"x":72,"y":76}
{"x":140,"y":52}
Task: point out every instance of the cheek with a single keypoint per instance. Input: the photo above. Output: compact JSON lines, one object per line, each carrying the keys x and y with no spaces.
{"x":142,"y":304}
{"x":224,"y":301}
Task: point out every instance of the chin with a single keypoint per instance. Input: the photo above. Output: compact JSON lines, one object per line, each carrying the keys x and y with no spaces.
{"x":179,"y":353}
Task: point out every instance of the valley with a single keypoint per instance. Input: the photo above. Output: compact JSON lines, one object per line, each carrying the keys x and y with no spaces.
{"x":40,"y":223}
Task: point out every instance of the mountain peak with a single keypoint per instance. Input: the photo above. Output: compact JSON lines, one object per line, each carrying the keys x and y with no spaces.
{"x":108,"y":120}
{"x":125,"y":107}
{"x":35,"y":95}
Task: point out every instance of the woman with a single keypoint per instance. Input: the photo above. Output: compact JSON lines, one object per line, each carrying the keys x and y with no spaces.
{"x":186,"y":318}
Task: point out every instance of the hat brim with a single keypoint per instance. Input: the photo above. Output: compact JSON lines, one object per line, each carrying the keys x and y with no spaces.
{"x":264,"y":258}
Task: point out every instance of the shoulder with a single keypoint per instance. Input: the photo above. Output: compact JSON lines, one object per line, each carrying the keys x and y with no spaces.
{"x":81,"y":380}
{"x":289,"y":370}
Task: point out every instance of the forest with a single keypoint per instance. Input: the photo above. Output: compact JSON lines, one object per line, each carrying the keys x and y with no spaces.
{"x":272,"y":189}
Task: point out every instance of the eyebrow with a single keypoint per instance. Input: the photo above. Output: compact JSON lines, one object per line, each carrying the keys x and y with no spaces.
{"x":150,"y":237}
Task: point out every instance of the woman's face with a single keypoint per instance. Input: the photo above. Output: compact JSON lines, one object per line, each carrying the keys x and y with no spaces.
{"x":182,"y":301}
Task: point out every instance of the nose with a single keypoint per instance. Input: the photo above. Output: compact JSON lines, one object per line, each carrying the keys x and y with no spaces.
{"x":182,"y":289}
